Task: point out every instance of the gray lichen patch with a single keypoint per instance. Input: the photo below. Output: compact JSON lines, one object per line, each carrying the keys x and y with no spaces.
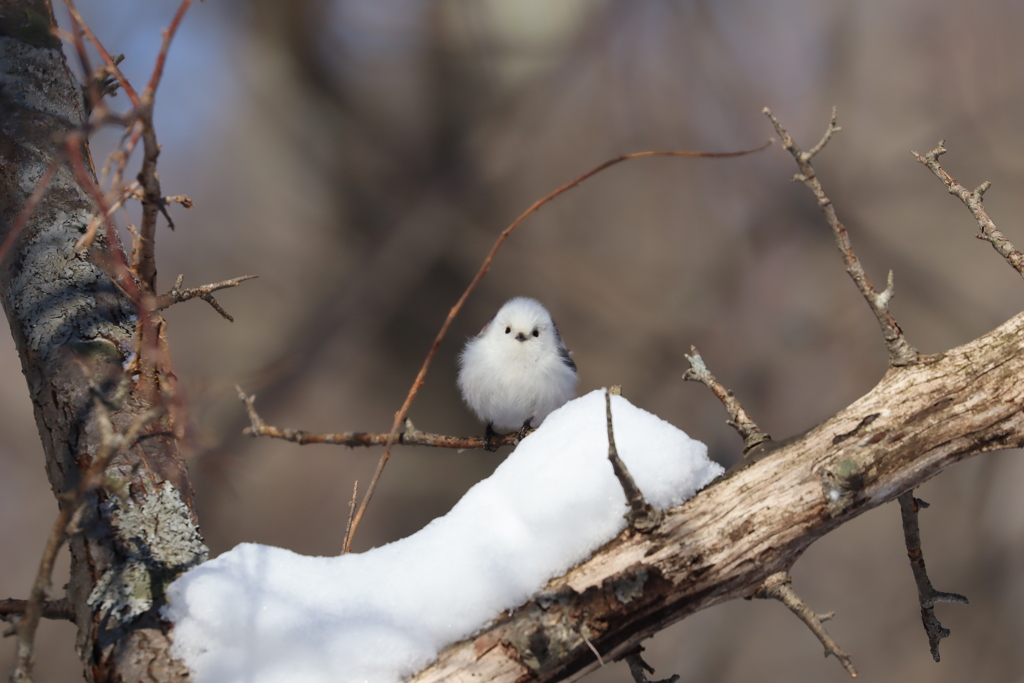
{"x":59,"y":298}
{"x":158,"y":542}
{"x":629,"y":587}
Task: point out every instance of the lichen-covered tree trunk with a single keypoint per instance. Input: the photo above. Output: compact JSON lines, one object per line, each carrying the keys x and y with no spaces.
{"x":74,"y":332}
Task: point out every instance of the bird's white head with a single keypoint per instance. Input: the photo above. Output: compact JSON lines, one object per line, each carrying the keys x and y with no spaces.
{"x":524,"y":326}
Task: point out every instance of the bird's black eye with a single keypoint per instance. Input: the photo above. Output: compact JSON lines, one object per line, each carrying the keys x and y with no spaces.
{"x":507,"y":330}
{"x":536,"y":332}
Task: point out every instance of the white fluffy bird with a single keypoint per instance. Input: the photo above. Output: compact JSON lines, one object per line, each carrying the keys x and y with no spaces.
{"x":517,"y":370}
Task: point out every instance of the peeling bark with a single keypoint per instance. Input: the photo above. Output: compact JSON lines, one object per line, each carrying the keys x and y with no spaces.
{"x":73,"y":328}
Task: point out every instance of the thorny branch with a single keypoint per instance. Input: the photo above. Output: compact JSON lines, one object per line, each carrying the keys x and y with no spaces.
{"x":973,"y":201}
{"x":900,"y":351}
{"x":205,"y":292}
{"x":779,"y":587}
{"x":926,"y":594}
{"x":485,"y":266}
{"x":738,"y":418}
{"x":641,"y":516}
{"x":409,"y":436}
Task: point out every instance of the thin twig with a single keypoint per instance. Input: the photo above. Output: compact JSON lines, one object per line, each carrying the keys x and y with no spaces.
{"x":973,"y":201}
{"x":351,"y":514}
{"x":85,"y":241}
{"x":421,"y":375}
{"x":205,"y":292}
{"x":50,"y":609}
{"x":738,"y":418}
{"x":926,"y":594}
{"x":600,"y":659}
{"x":778,"y":587}
{"x":409,"y":436}
{"x":111,"y":443}
{"x":900,"y":351}
{"x":641,"y":516}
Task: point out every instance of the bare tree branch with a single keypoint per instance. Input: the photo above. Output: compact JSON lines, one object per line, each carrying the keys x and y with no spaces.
{"x":642,"y":516}
{"x":204,"y":292}
{"x":900,"y":351}
{"x":738,"y":419}
{"x":926,"y":594}
{"x":410,"y":436}
{"x":779,"y":586}
{"x":973,"y":201}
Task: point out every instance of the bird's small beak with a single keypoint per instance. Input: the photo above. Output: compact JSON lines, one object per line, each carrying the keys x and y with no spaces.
{"x":520,"y":337}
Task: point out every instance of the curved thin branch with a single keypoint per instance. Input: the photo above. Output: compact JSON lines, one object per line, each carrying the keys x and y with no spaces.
{"x":421,"y":375}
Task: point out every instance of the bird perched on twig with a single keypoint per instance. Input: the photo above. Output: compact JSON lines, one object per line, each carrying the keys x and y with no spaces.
{"x":517,"y":370}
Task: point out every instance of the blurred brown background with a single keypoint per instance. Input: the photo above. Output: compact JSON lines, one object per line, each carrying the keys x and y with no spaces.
{"x":362,"y":155}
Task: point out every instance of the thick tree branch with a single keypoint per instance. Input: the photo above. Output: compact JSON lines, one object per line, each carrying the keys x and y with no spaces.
{"x":760,"y":517}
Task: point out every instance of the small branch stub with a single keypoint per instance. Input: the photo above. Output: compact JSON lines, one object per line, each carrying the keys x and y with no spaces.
{"x":639,"y":668}
{"x":779,"y":587}
{"x":642,"y":516}
{"x":738,"y":418}
{"x":900,"y":351}
{"x":926,"y":594}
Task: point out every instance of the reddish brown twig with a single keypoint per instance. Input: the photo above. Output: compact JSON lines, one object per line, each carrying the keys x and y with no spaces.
{"x":421,"y":375}
{"x":973,"y":201}
{"x":351,"y":513}
{"x":409,"y":436}
{"x":778,"y":587}
{"x":926,"y":594}
{"x":107,"y":59}
{"x":900,"y":351}
{"x":738,"y":418}
{"x":161,"y":58}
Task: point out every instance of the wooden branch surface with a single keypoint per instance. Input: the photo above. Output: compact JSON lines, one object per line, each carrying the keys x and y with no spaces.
{"x":760,"y":517}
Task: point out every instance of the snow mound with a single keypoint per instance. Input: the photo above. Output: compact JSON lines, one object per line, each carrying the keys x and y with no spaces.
{"x":263,"y":614}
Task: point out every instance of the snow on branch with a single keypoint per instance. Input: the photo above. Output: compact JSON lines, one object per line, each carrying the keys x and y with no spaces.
{"x":760,"y":517}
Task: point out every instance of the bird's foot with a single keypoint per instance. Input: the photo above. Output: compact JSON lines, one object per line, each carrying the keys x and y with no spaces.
{"x":490,"y":439}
